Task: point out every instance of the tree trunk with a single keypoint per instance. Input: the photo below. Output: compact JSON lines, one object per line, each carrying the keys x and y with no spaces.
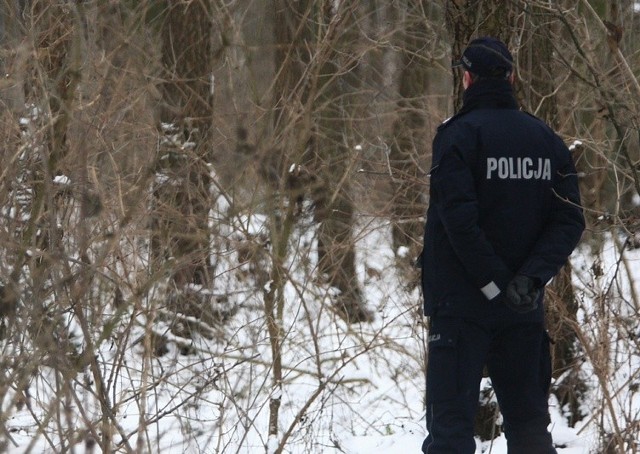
{"x":11,"y":65}
{"x":292,"y":130}
{"x":181,"y":190}
{"x":409,"y":135}
{"x":50,"y":85}
{"x":538,"y":97}
{"x":338,"y":86}
{"x":316,"y":84}
{"x":468,"y":19}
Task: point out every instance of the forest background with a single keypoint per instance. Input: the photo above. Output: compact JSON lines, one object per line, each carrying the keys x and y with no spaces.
{"x":211,"y":212}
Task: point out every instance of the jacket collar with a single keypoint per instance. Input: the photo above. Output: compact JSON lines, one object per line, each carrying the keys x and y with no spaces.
{"x":489,"y":93}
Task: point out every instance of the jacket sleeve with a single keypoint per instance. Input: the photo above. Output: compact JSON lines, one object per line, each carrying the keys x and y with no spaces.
{"x":453,"y":185}
{"x":564,"y":227}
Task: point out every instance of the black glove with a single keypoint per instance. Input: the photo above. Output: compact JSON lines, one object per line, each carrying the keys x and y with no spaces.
{"x":522,"y":294}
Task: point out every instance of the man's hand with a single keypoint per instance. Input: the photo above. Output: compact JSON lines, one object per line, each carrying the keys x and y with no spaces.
{"x":522,"y":294}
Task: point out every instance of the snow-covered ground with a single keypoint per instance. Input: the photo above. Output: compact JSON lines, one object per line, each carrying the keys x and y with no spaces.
{"x":346,"y":388}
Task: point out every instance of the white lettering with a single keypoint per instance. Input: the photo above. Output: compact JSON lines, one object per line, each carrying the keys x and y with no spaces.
{"x":546,"y":174}
{"x":503,"y":168}
{"x":538,"y":171}
{"x":513,"y":175}
{"x":527,"y":163}
{"x":519,"y":168}
{"x":492,"y":164}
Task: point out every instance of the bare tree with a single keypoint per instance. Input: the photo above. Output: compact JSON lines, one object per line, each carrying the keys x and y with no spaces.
{"x":308,"y":155}
{"x":108,"y":123}
{"x":409,"y":129}
{"x":338,"y":84}
{"x":467,"y":19}
{"x":471,"y":18}
{"x":181,"y":189}
{"x":536,"y":67}
{"x":54,"y":35}
{"x":599,"y":59}
{"x":316,"y":88}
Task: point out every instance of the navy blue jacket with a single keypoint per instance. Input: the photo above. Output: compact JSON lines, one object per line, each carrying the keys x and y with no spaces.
{"x":504,"y":200}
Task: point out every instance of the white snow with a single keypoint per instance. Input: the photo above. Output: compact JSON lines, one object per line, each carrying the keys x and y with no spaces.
{"x":346,"y":388}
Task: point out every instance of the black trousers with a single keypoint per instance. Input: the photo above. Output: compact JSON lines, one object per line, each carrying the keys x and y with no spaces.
{"x":519,"y":363}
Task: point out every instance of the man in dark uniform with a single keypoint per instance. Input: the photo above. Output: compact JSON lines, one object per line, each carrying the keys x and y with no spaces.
{"x":504,"y":215}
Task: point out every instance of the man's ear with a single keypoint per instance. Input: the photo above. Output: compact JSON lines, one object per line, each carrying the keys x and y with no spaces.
{"x":512,"y":77}
{"x":467,"y":79}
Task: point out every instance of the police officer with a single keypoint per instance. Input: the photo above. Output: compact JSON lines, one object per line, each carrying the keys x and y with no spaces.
{"x":504,"y":215}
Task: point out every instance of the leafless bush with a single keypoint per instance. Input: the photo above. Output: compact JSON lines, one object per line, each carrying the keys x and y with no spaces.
{"x":97,"y":352}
